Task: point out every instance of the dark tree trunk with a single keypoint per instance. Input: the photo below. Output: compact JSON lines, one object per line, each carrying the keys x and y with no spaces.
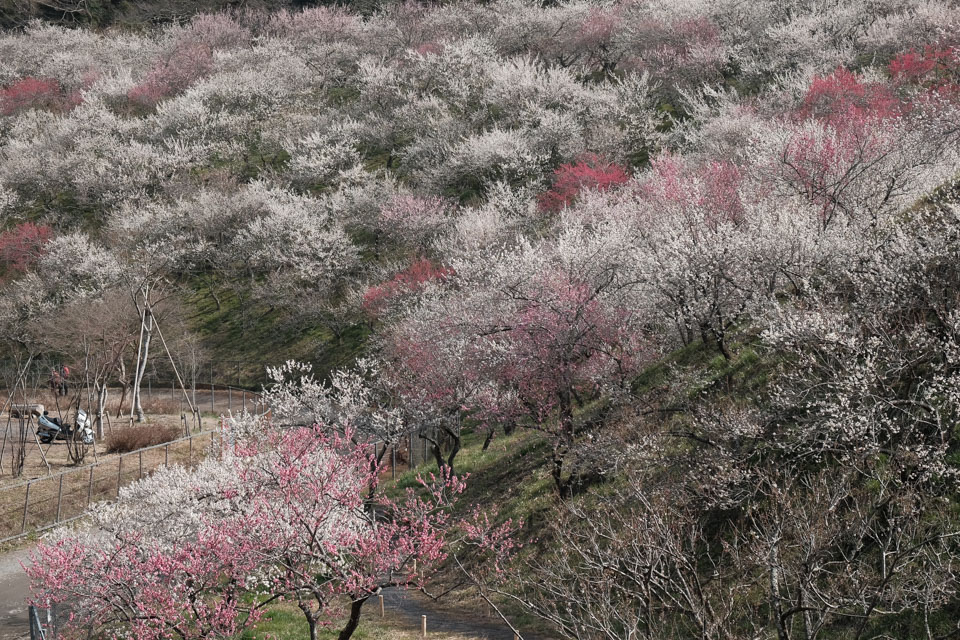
{"x":489,"y":439}
{"x":354,"y":620}
{"x":563,"y":445}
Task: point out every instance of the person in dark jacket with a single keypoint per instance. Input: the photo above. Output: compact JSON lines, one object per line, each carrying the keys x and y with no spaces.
{"x":64,"y":380}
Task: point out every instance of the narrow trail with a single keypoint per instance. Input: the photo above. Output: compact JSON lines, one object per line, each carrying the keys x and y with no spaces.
{"x":14,"y":587}
{"x":412,"y":605}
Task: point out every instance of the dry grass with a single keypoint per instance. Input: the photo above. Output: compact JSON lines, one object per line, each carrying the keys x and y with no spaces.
{"x":156,"y":402}
{"x":56,"y":453}
{"x":81,"y":486}
{"x":163,"y":407}
{"x":127,"y":439}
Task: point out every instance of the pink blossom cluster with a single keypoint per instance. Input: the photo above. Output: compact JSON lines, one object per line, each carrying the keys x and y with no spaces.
{"x":406,"y":282}
{"x":22,"y":246}
{"x":36,"y":93}
{"x":173,"y":74}
{"x":589,"y":172}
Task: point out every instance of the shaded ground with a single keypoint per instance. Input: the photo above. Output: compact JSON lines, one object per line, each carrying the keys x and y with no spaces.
{"x":412,"y":605}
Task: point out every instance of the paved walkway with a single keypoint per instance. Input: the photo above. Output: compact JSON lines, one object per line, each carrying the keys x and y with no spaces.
{"x":412,"y":605}
{"x":409,"y":605}
{"x":14,"y":587}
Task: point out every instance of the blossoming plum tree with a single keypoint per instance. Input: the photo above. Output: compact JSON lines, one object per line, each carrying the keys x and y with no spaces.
{"x":281,"y":514}
{"x":22,"y":246}
{"x":589,"y":172}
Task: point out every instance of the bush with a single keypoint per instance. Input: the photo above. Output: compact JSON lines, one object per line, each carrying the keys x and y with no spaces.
{"x":589,"y":172}
{"x":132,"y":438}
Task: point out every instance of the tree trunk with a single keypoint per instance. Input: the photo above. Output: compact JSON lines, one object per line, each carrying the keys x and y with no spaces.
{"x":142,"y":363}
{"x":355,"y":609}
{"x":722,"y":345}
{"x":124,"y":386}
{"x":437,"y":453}
{"x":488,"y":439}
{"x":563,"y":446}
{"x":101,"y":406}
{"x":775,"y":598}
{"x":456,"y":446}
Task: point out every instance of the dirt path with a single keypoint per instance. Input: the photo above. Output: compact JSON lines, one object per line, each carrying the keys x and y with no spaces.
{"x":412,"y":605}
{"x":13,"y":593}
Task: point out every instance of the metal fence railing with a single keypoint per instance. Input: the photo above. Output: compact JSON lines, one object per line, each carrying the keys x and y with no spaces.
{"x":44,"y":622}
{"x":42,"y":503}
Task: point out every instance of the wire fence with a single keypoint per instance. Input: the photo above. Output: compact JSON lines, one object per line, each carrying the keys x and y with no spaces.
{"x":242,"y":374}
{"x":39,"y":504}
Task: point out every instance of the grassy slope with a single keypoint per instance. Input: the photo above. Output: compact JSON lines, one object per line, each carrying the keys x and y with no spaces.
{"x":256,"y":336}
{"x":513,"y":475}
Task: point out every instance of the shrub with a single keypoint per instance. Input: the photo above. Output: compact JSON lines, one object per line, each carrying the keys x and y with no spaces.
{"x":129,"y":439}
{"x":589,"y":172}
{"x":411,"y":280}
{"x":33,"y":93}
{"x":22,"y":246}
{"x":842,"y":100}
{"x":171,"y":76}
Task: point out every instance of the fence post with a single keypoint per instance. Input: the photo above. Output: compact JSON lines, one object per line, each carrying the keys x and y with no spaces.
{"x":59,"y":498}
{"x":119,"y":473}
{"x":166,"y":455}
{"x":26,"y":504}
{"x":140,"y":472}
{"x":382,"y":612}
{"x":90,"y":487}
{"x":243,"y":395}
{"x":229,"y":399}
{"x":423,"y":626}
{"x":190,"y":455}
{"x":393,"y":462}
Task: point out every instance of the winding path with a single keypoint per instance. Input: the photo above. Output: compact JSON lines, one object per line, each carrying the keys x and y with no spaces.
{"x":411,"y":605}
{"x":408,"y":605}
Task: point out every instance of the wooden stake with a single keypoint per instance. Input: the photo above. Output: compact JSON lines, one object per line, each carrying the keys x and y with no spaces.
{"x":423,"y":626}
{"x":382,"y":612}
{"x":26,"y":504}
{"x":90,"y":487}
{"x":59,"y":498}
